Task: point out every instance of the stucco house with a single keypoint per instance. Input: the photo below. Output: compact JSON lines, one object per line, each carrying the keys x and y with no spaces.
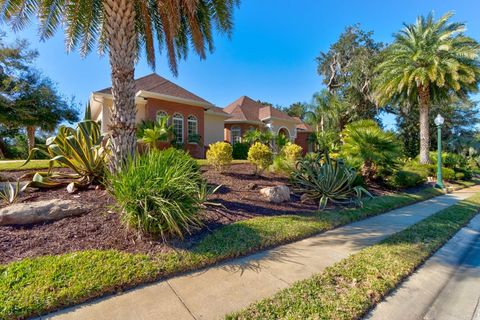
{"x":248,"y":114}
{"x":191,"y":115}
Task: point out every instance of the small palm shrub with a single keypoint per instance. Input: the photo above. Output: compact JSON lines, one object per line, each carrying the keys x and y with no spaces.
{"x":368,"y":147}
{"x":240,"y":151}
{"x":326,"y":180}
{"x":161,"y":131}
{"x":261,"y":156}
{"x":80,"y":149}
{"x":219,"y":155}
{"x":292,"y":152}
{"x":160,"y":193}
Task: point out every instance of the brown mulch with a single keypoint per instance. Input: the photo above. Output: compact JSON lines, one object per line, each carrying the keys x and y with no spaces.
{"x":101,"y":227}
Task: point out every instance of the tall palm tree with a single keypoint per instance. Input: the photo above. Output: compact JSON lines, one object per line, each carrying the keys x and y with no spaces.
{"x":124,"y":28}
{"x":427,"y":62}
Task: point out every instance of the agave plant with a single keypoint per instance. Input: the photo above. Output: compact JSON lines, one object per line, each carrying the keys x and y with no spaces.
{"x":325,"y":180}
{"x":79,"y":149}
{"x":10,"y":192}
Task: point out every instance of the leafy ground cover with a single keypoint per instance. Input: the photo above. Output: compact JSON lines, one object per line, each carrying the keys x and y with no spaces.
{"x":34,"y":286}
{"x":348,"y":289}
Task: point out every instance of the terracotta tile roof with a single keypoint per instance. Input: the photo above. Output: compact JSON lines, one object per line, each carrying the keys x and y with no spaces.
{"x":157,"y":84}
{"x":247,"y":109}
{"x":302,"y":126}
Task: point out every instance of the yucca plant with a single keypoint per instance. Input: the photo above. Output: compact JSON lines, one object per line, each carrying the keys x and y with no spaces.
{"x":325,"y":180}
{"x":79,"y":149}
{"x":160,"y":193}
{"x":9,"y":193}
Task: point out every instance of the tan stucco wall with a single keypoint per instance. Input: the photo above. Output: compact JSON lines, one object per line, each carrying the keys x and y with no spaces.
{"x":213,"y":128}
{"x":278,"y":124}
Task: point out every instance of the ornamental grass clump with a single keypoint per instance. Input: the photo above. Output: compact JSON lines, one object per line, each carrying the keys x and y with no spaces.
{"x":159,"y":193}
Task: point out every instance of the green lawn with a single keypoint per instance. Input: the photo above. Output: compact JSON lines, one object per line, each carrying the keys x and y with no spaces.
{"x":348,"y":289}
{"x":38,"y":285}
{"x":10,"y":165}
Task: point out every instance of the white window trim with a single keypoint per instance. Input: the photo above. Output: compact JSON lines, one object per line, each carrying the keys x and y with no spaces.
{"x":195,"y":120}
{"x":232,"y":136}
{"x":177,"y":117}
{"x":164,"y":113}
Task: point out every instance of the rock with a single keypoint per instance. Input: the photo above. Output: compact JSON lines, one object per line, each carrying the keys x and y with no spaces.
{"x":71,"y":188}
{"x":276,"y":194}
{"x":40,"y":211}
{"x":252,"y":186}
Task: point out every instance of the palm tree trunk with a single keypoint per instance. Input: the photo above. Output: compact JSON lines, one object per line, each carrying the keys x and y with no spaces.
{"x":424,"y":101}
{"x":2,"y":147}
{"x":120,"y":28}
{"x":30,"y":138}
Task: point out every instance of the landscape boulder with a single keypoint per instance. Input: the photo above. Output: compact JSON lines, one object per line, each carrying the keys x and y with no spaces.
{"x":40,"y":211}
{"x":276,"y":194}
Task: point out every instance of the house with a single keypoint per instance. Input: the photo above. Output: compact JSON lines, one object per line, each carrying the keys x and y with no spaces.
{"x":192,"y":117}
{"x":196,"y":122}
{"x":248,"y":114}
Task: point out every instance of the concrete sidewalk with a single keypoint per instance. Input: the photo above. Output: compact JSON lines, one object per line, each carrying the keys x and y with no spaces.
{"x":446,"y":287}
{"x":213,"y":292}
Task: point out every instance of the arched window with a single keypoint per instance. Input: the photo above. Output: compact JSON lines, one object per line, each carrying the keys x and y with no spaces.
{"x":192,"y":128}
{"x":178,"y":127}
{"x":236,"y":134}
{"x":161,"y":114}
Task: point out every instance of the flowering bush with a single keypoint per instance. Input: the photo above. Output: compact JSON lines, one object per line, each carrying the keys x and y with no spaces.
{"x":292,"y":152}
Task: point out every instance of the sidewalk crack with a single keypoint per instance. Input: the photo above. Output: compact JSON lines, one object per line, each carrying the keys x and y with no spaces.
{"x":181,"y":300}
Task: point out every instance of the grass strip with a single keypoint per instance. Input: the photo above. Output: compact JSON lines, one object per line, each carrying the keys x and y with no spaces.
{"x":38,"y":285}
{"x":348,"y":289}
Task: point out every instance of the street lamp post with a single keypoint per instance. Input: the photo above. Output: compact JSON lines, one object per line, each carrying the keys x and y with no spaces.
{"x":439,"y":120}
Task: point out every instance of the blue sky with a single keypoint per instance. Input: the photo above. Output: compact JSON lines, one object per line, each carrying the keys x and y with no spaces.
{"x":271,"y":55}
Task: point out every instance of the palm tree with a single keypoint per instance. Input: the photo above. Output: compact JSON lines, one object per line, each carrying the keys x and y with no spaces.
{"x":123,"y":28}
{"x":428,"y":61}
{"x":323,"y":112}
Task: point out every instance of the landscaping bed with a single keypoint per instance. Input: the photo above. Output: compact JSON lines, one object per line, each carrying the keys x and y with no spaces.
{"x":38,"y":285}
{"x":101,"y":228}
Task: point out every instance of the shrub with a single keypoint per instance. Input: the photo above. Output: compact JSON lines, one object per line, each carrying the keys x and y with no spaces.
{"x":467,"y":174}
{"x":453,"y":160}
{"x":240,"y":151}
{"x":407,"y":179}
{"x":327,"y":180}
{"x":459,"y":176}
{"x":153,"y":134}
{"x":79,"y":149}
{"x":219,"y":155}
{"x":292,"y":152}
{"x":448,"y":174}
{"x":281,"y":166}
{"x":160,"y":193}
{"x":261,"y":156}
{"x":368,"y":147}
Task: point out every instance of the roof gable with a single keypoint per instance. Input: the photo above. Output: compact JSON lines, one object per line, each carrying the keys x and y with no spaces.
{"x":157,"y":84}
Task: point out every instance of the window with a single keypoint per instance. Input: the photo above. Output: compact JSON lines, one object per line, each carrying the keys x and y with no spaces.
{"x":192,"y":129}
{"x":178,"y":127}
{"x":236,"y":134}
{"x":161,"y":114}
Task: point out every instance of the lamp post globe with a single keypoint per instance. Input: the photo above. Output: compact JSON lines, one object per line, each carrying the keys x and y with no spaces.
{"x":439,"y":120}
